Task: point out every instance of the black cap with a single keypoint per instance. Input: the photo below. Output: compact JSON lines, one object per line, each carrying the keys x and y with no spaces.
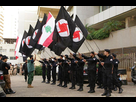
{"x":107,"y":50}
{"x":92,"y":52}
{"x":61,"y":55}
{"x":66,"y":56}
{"x":74,"y":54}
{"x":114,"y":55}
{"x":0,"y":55}
{"x":4,"y":57}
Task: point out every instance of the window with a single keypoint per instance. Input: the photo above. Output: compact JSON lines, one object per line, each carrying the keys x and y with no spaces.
{"x":12,"y":50}
{"x":102,"y":8}
{"x":12,"y":58}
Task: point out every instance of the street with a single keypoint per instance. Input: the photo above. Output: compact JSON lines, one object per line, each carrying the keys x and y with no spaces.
{"x":19,"y":85}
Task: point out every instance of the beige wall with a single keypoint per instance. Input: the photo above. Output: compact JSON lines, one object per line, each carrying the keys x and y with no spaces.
{"x":118,"y":39}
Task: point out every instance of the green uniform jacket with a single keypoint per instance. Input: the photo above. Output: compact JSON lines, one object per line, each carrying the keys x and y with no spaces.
{"x":30,"y":65}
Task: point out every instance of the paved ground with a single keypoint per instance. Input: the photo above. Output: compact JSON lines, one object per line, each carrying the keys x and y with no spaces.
{"x":47,"y":90}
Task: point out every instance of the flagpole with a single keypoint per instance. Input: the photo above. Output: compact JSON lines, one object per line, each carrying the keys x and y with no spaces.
{"x":47,"y":52}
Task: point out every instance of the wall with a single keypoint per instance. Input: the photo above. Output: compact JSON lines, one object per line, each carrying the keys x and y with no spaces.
{"x":118,"y":39}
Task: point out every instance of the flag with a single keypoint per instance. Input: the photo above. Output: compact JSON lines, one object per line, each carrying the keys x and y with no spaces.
{"x":79,"y":35}
{"x":65,"y":27}
{"x":22,"y":42}
{"x":16,"y":50}
{"x":47,"y":31}
{"x":28,"y":49}
{"x":37,"y":33}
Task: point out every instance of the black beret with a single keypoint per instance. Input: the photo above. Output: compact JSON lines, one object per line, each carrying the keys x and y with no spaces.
{"x":74,"y":55}
{"x":66,"y":56}
{"x":107,"y":50}
{"x":0,"y":55}
{"x":114,"y":55}
{"x":4,"y":57}
{"x":92,"y":52}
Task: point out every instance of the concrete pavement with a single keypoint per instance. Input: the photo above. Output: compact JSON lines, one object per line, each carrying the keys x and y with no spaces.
{"x":47,"y":90}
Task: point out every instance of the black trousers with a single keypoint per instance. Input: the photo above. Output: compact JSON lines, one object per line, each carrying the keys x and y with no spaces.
{"x":80,"y":76}
{"x":49,"y":74}
{"x":73,"y":77}
{"x":91,"y":78}
{"x":115,"y":81}
{"x":54,"y":75}
{"x":107,"y":79}
{"x":44,"y":74}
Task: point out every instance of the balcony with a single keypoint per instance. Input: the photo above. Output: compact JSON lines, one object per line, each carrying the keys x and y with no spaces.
{"x":115,"y":12}
{"x":46,"y":9}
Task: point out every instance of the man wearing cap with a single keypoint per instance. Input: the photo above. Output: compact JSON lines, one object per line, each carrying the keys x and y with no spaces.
{"x":73,"y":70}
{"x":107,"y":65}
{"x":53,"y":64}
{"x":60,"y":60}
{"x":5,"y":67}
{"x":115,"y":70}
{"x":92,"y":61}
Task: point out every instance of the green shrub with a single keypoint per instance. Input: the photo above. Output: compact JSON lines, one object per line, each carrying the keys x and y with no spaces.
{"x":38,"y":70}
{"x":104,"y":32}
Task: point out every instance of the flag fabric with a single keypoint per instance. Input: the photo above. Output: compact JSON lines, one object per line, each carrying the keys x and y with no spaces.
{"x":28,"y":49}
{"x":36,"y":30}
{"x":16,"y":50}
{"x":47,"y":31}
{"x":22,"y":42}
{"x":65,"y":27}
{"x":79,"y":35}
{"x":37,"y":34}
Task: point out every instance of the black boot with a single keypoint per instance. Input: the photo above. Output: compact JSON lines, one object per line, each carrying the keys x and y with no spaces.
{"x":80,"y":88}
{"x":120,"y":90}
{"x":73,"y":87}
{"x":105,"y":92}
{"x":108,"y":93}
{"x":47,"y":82}
{"x":11,"y":91}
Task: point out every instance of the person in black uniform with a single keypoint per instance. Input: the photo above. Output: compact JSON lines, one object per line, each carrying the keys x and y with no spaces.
{"x":43,"y":62}
{"x":100,"y":73}
{"x":53,"y":63}
{"x":25,"y":70}
{"x":48,"y":63}
{"x":73,"y":68}
{"x":107,"y":65}
{"x":80,"y":62}
{"x":92,"y":61}
{"x":115,"y":70}
{"x":60,"y":60}
{"x":65,"y":69}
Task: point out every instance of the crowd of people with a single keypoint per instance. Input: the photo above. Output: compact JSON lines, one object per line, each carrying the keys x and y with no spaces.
{"x":73,"y":66}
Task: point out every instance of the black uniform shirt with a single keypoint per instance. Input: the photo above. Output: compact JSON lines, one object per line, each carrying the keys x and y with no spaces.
{"x":91,"y":62}
{"x":108,"y":61}
{"x":3,"y":66}
{"x":115,"y":62}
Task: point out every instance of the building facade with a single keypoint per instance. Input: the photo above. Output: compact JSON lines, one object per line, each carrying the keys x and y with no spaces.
{"x":1,"y":23}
